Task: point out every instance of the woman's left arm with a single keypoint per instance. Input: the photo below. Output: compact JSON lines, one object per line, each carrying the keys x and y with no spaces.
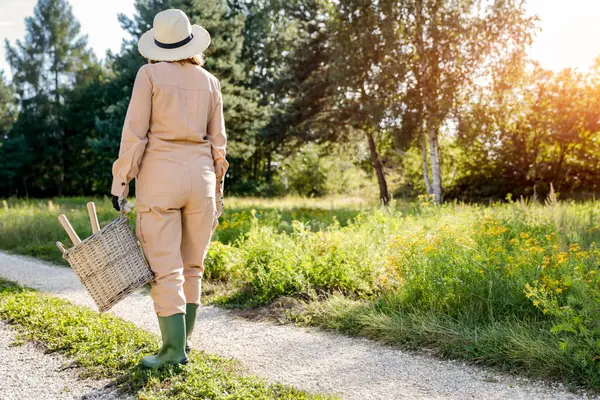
{"x":218,"y":138}
{"x":135,"y":134}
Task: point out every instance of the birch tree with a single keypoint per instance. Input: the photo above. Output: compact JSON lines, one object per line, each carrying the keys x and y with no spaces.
{"x":452,"y":45}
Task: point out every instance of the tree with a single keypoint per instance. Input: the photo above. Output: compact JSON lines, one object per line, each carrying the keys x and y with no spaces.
{"x":367,"y":75}
{"x":8,"y":114}
{"x":530,"y":131}
{"x":8,"y":110}
{"x":283,"y":52}
{"x":45,"y":67}
{"x":451,"y":45}
{"x":319,"y":81}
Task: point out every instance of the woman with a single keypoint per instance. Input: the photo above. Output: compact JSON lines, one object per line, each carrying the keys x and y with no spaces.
{"x":174,"y":145}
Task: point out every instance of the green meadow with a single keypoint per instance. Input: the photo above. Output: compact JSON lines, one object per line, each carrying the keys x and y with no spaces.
{"x":513,"y":285}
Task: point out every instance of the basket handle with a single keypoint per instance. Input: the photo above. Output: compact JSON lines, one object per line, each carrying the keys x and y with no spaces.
{"x":124,"y":206}
{"x":93,"y":217}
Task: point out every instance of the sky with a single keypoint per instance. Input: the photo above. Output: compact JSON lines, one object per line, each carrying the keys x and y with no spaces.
{"x":98,"y":20}
{"x":570,"y":35}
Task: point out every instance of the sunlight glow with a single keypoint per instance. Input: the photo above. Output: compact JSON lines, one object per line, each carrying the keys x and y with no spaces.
{"x":570,"y":35}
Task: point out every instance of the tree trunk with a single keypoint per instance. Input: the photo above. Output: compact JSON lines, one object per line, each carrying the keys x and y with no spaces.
{"x":383,"y":190}
{"x":425,"y":163}
{"x":434,"y":150}
{"x":269,"y":177}
{"x":421,"y":71}
{"x":60,"y":134}
{"x":25,"y":187}
{"x":558,"y":179}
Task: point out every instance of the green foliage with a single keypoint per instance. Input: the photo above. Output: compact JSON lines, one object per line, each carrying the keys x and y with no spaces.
{"x":316,"y":71}
{"x":31,"y":227}
{"x":219,"y":262}
{"x":305,"y":172}
{"x":108,"y":347}
{"x":7,"y":105}
{"x":540,"y":129}
{"x":512,"y":285}
{"x":271,"y":266}
{"x":8,"y":114}
{"x":304,"y":263}
{"x":46,"y":151}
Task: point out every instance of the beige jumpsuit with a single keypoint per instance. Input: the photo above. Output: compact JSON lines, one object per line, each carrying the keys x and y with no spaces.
{"x":174,"y":145}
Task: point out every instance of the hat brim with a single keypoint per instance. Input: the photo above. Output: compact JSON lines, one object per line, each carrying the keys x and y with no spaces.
{"x":197,"y":45}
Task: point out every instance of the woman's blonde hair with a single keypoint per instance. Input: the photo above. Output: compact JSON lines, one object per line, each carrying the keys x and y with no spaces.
{"x":195,"y":60}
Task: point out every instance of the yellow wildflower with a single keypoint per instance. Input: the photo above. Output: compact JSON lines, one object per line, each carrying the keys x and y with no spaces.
{"x":497,"y":230}
{"x":562,"y":257}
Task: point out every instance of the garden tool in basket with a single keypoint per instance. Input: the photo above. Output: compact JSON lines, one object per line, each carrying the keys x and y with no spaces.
{"x":110,"y":263}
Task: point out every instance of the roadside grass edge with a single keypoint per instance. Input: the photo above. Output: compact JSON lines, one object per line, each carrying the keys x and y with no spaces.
{"x":105,"y":346}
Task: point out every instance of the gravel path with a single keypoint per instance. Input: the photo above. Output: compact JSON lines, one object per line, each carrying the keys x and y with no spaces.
{"x":304,"y":358}
{"x":26,"y":372}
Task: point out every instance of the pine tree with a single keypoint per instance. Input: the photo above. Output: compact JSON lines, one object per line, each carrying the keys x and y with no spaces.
{"x":45,"y":68}
{"x":7,"y":106}
{"x":8,"y":113}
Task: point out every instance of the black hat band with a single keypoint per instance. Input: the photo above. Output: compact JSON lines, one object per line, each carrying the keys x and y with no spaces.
{"x":174,"y":45}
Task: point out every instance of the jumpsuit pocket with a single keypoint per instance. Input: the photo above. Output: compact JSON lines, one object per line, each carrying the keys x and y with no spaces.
{"x":160,"y":176}
{"x":142,"y":213}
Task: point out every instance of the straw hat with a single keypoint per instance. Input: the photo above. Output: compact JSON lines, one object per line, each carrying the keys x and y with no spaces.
{"x":173,"y":38}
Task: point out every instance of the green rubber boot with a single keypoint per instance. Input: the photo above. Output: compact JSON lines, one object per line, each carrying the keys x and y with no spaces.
{"x":172,"y":329}
{"x":191,"y":313}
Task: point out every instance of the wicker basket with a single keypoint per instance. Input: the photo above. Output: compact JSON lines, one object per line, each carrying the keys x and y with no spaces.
{"x":110,"y":263}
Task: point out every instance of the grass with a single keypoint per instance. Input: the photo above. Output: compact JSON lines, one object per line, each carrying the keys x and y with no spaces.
{"x":513,"y":285}
{"x":106,"y":346}
{"x":31,"y":227}
{"x":525,"y":347}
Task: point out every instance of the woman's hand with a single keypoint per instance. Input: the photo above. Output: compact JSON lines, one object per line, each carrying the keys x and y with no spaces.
{"x":121,"y":204}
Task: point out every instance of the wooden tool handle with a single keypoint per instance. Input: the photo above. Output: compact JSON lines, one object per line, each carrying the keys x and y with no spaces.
{"x":93,"y":216}
{"x":69,"y":229}
{"x":61,"y":247}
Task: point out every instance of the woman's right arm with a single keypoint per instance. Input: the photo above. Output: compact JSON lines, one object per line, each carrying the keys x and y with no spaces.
{"x":134,"y":135}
